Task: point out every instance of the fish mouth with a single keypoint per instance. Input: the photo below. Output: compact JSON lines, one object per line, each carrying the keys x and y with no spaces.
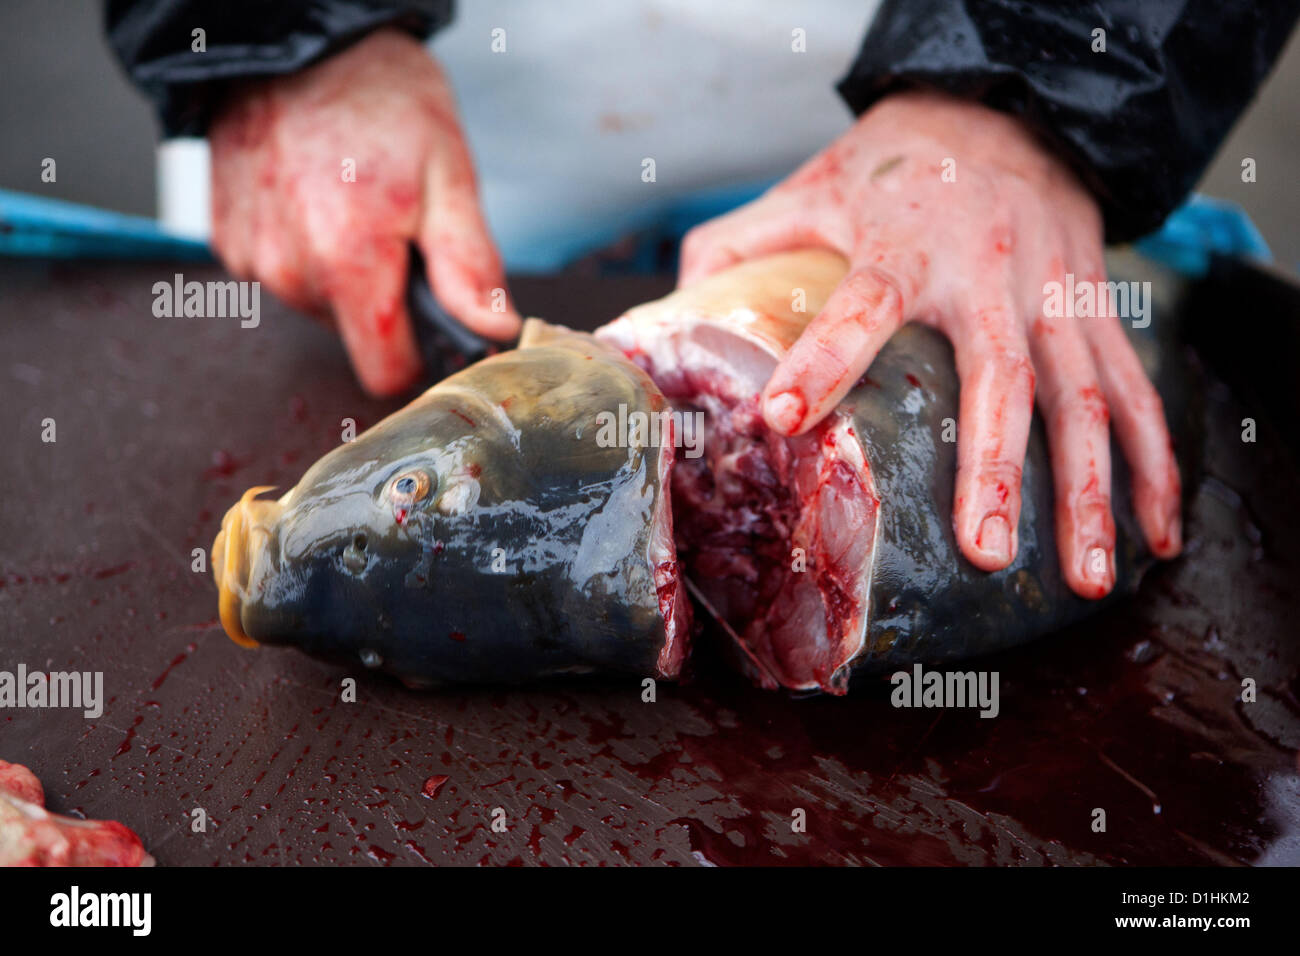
{"x":242,"y":538}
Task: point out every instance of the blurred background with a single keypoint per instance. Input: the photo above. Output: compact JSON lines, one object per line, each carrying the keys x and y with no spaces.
{"x":67,"y":98}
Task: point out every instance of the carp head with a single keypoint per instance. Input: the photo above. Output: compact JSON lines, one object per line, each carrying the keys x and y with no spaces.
{"x":480,"y":533}
{"x":339,"y":557}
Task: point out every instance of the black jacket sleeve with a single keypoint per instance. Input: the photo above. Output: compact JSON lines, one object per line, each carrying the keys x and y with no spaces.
{"x":1139,"y":122}
{"x":244,"y":38}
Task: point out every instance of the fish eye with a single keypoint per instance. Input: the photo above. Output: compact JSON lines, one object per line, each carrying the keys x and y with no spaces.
{"x":409,"y":487}
{"x":359,"y":542}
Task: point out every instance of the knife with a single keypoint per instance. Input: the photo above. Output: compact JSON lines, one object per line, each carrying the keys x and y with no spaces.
{"x":446,"y":344}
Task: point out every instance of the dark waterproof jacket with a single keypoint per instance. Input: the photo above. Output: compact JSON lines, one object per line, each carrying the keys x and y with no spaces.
{"x":1135,"y":94}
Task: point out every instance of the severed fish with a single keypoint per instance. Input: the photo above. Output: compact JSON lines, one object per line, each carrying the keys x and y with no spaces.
{"x":831,"y":555}
{"x":482,"y":533}
{"x":523,"y":519}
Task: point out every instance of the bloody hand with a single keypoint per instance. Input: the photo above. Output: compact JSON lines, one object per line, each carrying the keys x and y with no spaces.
{"x":954,"y":215}
{"x":320,"y":180}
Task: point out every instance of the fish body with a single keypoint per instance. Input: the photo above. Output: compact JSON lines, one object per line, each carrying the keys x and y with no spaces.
{"x":490,"y":531}
{"x":860,"y":572}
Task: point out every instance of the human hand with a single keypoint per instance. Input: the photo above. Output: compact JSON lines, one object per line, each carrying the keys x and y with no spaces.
{"x":954,"y":215}
{"x":321,"y":180}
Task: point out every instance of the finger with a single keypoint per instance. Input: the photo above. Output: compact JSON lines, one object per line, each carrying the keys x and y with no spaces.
{"x":833,"y":352}
{"x":366,"y":288}
{"x":997,"y":397}
{"x":1138,"y":416}
{"x":1137,"y":413}
{"x":275,"y":238}
{"x":465,"y":268}
{"x":278,"y":245}
{"x":279,"y":267}
{"x":776,"y":222}
{"x":1078,"y":434}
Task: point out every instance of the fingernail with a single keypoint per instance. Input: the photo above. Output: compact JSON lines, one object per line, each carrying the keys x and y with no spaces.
{"x":1098,"y":569}
{"x":994,"y":538}
{"x":785,"y":412}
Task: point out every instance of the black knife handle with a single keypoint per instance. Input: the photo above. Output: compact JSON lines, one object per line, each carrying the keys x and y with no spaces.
{"x":446,"y":345}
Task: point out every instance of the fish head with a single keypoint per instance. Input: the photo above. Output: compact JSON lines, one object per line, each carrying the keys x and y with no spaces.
{"x":344,"y":562}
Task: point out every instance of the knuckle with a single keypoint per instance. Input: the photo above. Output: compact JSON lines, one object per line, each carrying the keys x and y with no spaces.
{"x":985,"y":465}
{"x":1095,"y":505}
{"x":1083,"y":407}
{"x":323,"y":244}
{"x":1144,"y":403}
{"x":869,"y":293}
{"x":999,"y":473}
{"x":696,"y":242}
{"x":989,"y":483}
{"x":1011,"y":366}
{"x":827,"y":359}
{"x":336,"y":247}
{"x":881,"y":283}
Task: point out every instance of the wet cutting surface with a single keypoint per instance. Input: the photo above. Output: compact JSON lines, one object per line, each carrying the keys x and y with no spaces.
{"x":162,"y":423}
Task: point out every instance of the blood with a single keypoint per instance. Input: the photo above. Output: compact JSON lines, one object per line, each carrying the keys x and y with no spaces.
{"x":224,"y":464}
{"x":114,"y":571}
{"x":402,"y":195}
{"x":386,"y":321}
{"x":125,"y":745}
{"x":417,"y":850}
{"x":176,"y":661}
{"x":469,"y":421}
{"x":1095,"y":403}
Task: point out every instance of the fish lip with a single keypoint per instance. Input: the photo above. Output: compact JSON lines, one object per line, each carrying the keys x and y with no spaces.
{"x":244,"y":530}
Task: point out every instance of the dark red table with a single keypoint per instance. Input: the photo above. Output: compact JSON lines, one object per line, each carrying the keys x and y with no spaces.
{"x":161,"y":423}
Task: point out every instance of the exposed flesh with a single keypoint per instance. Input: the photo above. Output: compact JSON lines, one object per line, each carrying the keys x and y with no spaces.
{"x":30,"y":835}
{"x":776,"y":533}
